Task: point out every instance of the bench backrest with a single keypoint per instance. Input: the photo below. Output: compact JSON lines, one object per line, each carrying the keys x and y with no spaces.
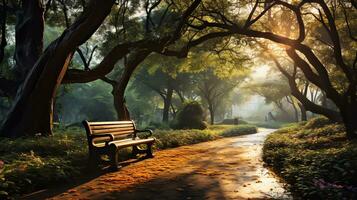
{"x":119,"y":129}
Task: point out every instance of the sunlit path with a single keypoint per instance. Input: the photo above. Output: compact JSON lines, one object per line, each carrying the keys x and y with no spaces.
{"x":229,"y":168}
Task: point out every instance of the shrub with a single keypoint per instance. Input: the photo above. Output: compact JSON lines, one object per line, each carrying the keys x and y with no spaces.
{"x":190,"y":117}
{"x":38,"y":162}
{"x":239,"y":130}
{"x":273,"y":124}
{"x":316,"y":159}
{"x":317,"y":122}
{"x":234,"y":121}
{"x":158,"y":125}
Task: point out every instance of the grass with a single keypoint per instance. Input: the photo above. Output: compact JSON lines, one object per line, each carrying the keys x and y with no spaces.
{"x":30,"y":164}
{"x":271,"y":124}
{"x":315,"y":158}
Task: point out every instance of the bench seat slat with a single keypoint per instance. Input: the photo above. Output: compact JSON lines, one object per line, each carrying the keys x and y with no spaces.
{"x":114,"y":130}
{"x":109,"y":123}
{"x":99,"y":127}
{"x":121,"y":133}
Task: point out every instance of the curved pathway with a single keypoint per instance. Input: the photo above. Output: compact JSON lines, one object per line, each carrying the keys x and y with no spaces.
{"x":229,"y":168}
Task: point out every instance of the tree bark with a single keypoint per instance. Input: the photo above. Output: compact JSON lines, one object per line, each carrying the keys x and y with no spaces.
{"x":29,"y":37}
{"x":348,"y":113}
{"x":32,"y":110}
{"x":296,"y":113}
{"x":303,"y":112}
{"x":167,"y":103}
{"x":290,"y":100}
{"x":211,"y":113}
{"x":119,"y":91}
{"x":120,"y":106}
{"x":3,"y":41}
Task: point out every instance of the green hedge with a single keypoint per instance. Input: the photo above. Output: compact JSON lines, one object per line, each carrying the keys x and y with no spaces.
{"x":29,"y":164}
{"x":315,"y":158}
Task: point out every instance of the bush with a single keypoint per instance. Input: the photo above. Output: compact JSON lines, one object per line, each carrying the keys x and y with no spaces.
{"x":174,"y":138}
{"x":190,"y":117}
{"x":317,"y":122}
{"x":234,"y":121}
{"x":272,"y":124}
{"x":158,"y":125}
{"x":239,"y":130}
{"x":316,"y":159}
{"x":34,"y":163}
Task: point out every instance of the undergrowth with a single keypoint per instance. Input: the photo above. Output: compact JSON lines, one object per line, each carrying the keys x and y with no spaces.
{"x":315,"y":158}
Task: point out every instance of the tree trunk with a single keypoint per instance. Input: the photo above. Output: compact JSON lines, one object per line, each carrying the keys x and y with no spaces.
{"x":348,"y":113}
{"x":31,"y":112}
{"x":120,"y":106}
{"x":3,"y":41}
{"x":303,"y":112}
{"x":296,"y":113}
{"x":29,"y":37}
{"x":167,"y":104}
{"x":211,"y":113}
{"x":182,"y":98}
{"x":119,"y":100}
{"x":174,"y":111}
{"x":290,"y":100}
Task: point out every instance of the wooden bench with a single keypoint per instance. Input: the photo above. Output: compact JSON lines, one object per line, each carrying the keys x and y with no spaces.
{"x":106,"y":138}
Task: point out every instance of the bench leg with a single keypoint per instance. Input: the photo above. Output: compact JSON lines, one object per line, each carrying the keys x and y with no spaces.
{"x":149,"y":151}
{"x":114,"y":157}
{"x":135,"y":151}
{"x":93,"y":161}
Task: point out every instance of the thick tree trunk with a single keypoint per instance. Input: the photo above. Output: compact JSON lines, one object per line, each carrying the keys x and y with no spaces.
{"x":348,"y":113}
{"x":31,"y":112}
{"x":29,"y":37}
{"x":303,"y":112}
{"x":167,"y":104}
{"x":3,"y":41}
{"x":119,"y":100}
{"x":120,"y":106}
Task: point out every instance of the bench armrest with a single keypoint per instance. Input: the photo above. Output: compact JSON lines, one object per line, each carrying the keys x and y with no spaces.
{"x":144,"y":131}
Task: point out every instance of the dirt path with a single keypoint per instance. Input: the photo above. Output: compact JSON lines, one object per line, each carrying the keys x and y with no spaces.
{"x":229,"y":168}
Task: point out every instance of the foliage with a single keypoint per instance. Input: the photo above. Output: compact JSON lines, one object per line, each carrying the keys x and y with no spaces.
{"x":159,"y":125}
{"x":239,"y":130}
{"x":317,"y":122}
{"x":93,"y":101}
{"x":315,"y":158}
{"x":233,"y":121}
{"x":175,"y":138}
{"x":271,"y":124}
{"x":190,"y":117}
{"x":33,"y":163}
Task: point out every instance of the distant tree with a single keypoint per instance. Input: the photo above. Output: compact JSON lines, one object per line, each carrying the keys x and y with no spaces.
{"x":163,"y":76}
{"x":276,"y":92}
{"x":214,"y":89}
